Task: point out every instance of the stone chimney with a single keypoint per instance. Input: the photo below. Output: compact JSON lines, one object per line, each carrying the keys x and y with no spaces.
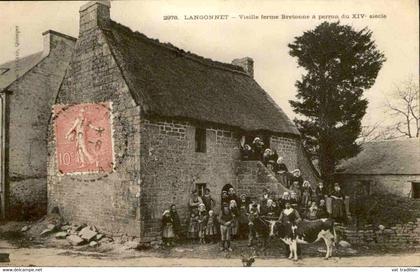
{"x":94,"y":14}
{"x":246,"y":63}
{"x":54,"y":39}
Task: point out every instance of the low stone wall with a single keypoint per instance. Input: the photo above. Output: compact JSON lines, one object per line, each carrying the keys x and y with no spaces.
{"x":400,"y":235}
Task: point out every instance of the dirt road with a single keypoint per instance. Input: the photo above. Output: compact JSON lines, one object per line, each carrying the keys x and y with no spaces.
{"x":62,"y":257}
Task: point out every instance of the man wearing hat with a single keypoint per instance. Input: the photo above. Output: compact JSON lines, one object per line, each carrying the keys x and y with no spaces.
{"x":253,"y":213}
{"x":225,"y":220}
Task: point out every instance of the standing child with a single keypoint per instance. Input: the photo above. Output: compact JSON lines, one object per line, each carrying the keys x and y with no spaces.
{"x":167,"y":228}
{"x":225,"y":220}
{"x":193,"y":225}
{"x":202,"y":222}
{"x":211,"y":227}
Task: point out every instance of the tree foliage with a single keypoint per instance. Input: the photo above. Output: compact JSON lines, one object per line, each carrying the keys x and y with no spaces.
{"x":340,"y":65}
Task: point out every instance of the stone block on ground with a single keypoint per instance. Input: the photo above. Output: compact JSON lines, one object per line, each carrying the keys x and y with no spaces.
{"x":75,"y":240}
{"x":61,"y":235}
{"x":92,"y":227}
{"x":322,"y":250}
{"x":79,"y":227}
{"x":131,"y":245}
{"x":46,"y":232}
{"x":87,"y":234}
{"x":24,"y":229}
{"x":51,"y":227}
{"x":65,"y":227}
{"x":93,"y":244}
{"x":344,"y":244}
{"x":99,"y":236}
{"x":351,"y":251}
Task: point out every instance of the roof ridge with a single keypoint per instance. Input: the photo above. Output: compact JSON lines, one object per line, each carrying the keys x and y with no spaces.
{"x":195,"y":57}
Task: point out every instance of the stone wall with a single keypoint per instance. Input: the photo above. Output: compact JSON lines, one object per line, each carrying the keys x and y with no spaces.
{"x":383,"y":184}
{"x":171,"y":167}
{"x":400,"y":235}
{"x":30,"y":100}
{"x":109,"y":201}
{"x":254,"y":177}
{"x":286,"y":148}
{"x":294,"y":157}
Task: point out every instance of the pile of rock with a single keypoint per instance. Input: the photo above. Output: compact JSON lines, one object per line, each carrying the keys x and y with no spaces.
{"x":78,"y":235}
{"x":81,"y":234}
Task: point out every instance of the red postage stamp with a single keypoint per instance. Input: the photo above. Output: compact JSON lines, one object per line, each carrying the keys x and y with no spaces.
{"x":83,"y":134}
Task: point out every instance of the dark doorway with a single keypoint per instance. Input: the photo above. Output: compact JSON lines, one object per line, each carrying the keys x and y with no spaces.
{"x":415,"y":187}
{"x":226,"y":188}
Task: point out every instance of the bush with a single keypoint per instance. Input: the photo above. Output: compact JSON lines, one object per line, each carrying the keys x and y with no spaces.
{"x":384,"y":209}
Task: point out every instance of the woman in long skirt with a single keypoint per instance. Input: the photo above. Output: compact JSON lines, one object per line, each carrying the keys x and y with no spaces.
{"x":167,"y":228}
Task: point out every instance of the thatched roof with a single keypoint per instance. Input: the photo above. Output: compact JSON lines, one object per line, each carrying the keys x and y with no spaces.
{"x":169,"y":82}
{"x":397,"y":157}
{"x":13,"y":70}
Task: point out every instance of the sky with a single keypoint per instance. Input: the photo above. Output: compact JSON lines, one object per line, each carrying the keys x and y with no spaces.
{"x":265,"y":41}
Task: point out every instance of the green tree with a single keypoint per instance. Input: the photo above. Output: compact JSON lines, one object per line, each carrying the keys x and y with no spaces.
{"x":340,"y":63}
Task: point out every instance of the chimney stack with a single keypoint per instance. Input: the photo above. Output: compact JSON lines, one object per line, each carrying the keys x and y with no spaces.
{"x":247,"y":64}
{"x":94,"y":14}
{"x":53,"y":39}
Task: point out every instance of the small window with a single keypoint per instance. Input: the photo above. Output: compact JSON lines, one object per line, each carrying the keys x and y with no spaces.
{"x":200,"y":140}
{"x":415,"y":186}
{"x":200,"y":187}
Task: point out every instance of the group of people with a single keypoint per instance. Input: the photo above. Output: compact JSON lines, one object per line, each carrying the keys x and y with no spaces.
{"x":234,"y":221}
{"x":257,"y":151}
{"x":302,"y":196}
{"x":237,"y":214}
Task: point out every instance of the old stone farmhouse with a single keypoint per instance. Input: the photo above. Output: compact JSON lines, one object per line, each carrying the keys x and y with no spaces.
{"x":386,"y":167}
{"x":28,"y":88}
{"x":138,"y":124}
